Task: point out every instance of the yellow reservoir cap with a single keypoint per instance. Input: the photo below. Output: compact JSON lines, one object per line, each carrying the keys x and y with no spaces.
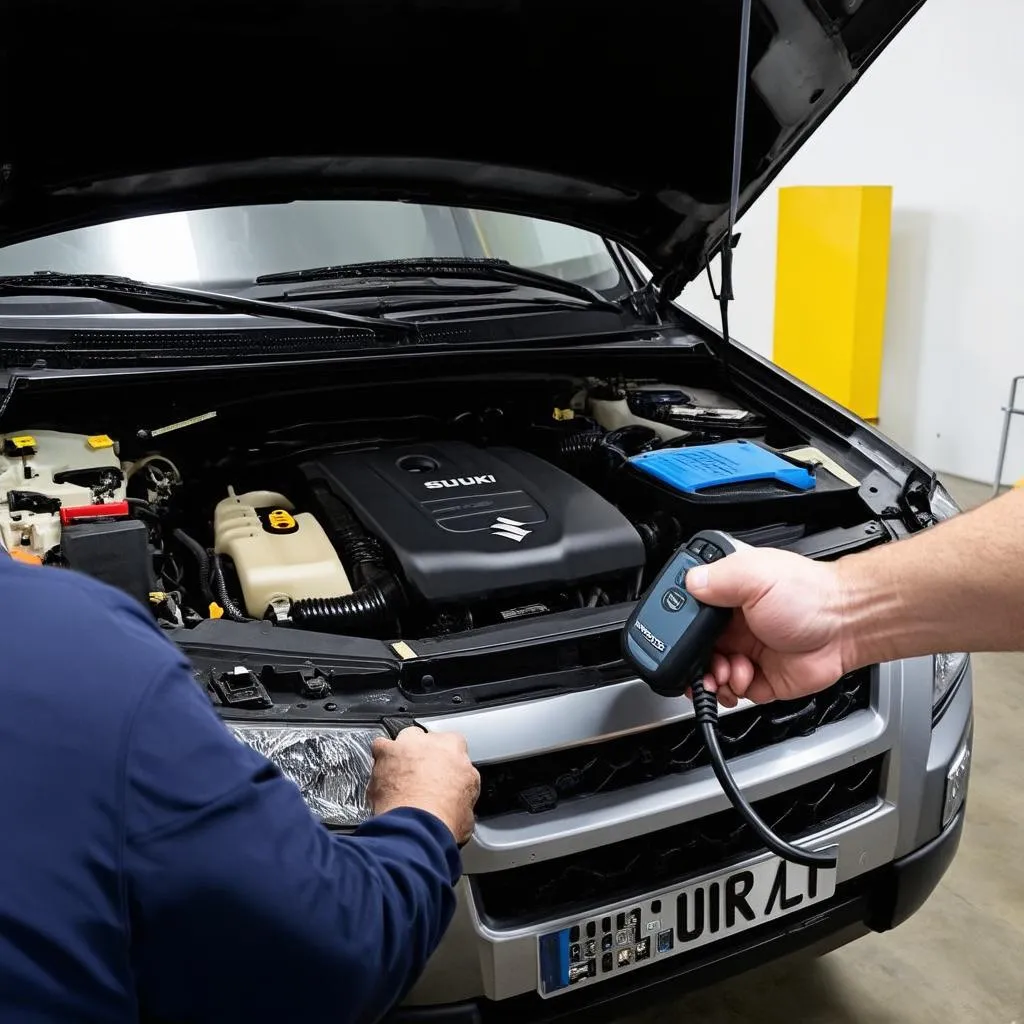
{"x":23,"y":442}
{"x":99,"y":441}
{"x":279,"y":519}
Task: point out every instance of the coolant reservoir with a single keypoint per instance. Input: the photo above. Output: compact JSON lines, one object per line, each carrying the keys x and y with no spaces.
{"x":278,"y":553}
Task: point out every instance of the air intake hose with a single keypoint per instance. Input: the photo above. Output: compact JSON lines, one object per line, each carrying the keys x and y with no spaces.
{"x":577,"y":443}
{"x":372,"y":609}
{"x":361,"y":553}
{"x":368,"y":611}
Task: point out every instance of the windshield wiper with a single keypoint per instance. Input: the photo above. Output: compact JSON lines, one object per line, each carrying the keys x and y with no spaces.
{"x":444,"y":266}
{"x":159,"y":297}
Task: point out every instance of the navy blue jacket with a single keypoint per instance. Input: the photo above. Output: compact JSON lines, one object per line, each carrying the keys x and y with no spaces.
{"x":147,"y":858}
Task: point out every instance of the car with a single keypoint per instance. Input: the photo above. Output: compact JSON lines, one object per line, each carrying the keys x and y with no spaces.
{"x":388,"y":405}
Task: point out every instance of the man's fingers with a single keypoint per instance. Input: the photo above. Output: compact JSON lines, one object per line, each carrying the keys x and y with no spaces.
{"x":456,"y":741}
{"x":726,"y":697}
{"x":760,"y":690}
{"x":737,"y":638}
{"x":735,"y":581}
{"x":720,"y":669}
{"x":380,"y":745}
{"x":741,"y":674}
{"x":409,"y":734}
{"x":736,"y":671}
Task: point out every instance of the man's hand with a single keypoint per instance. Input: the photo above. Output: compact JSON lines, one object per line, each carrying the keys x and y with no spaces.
{"x":785,"y":640}
{"x":428,"y":771}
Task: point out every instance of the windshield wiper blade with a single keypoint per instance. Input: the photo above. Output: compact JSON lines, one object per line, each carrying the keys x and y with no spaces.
{"x":127,"y":290}
{"x":438,"y":266}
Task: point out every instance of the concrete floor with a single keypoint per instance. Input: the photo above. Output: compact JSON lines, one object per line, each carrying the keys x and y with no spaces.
{"x":962,"y":956}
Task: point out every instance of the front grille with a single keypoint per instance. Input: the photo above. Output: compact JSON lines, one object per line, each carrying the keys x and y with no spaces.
{"x":603,"y":875}
{"x":538,"y":784}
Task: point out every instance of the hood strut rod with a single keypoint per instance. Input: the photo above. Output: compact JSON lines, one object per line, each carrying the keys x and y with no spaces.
{"x":725,"y":293}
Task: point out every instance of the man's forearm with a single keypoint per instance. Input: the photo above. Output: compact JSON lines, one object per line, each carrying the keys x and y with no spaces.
{"x":956,"y":587}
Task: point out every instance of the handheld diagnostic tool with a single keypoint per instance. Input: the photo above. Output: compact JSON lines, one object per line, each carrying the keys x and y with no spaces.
{"x":669,"y":640}
{"x":670,"y":635}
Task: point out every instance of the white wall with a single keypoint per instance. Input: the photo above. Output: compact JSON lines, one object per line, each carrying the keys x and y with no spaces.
{"x":940,"y":116}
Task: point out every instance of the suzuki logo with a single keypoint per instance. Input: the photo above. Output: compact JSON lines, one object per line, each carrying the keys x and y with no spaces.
{"x":658,"y":645}
{"x":461,"y":481}
{"x":509,"y":528}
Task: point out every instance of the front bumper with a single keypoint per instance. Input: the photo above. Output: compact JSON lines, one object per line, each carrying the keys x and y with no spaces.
{"x":892,"y":852}
{"x":876,"y":901}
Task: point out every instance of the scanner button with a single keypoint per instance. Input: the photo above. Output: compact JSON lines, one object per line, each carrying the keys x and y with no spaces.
{"x":673,"y":600}
{"x":712,"y":553}
{"x":697,"y":547}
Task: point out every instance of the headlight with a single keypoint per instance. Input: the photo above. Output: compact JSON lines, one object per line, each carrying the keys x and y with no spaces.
{"x":956,"y":783}
{"x":947,"y":670}
{"x":942,"y":504}
{"x":330,"y":765}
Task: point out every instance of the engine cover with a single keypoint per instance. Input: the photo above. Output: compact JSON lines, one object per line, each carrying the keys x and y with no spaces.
{"x":467,"y":523}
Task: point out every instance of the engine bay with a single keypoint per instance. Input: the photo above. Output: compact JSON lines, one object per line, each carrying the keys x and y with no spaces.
{"x":421,"y":510}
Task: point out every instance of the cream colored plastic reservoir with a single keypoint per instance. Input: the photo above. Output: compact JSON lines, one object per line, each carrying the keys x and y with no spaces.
{"x":29,"y":461}
{"x":278,"y":553}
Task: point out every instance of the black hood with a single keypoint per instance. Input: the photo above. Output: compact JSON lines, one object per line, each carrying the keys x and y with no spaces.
{"x":615,"y":117}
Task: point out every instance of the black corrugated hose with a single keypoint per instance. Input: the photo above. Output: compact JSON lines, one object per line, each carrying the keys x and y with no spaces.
{"x":372,"y":609}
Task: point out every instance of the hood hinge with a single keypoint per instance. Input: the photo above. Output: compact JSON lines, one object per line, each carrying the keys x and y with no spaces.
{"x":646,"y":302}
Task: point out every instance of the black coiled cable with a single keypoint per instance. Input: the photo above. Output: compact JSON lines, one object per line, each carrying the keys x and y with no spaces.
{"x":202,"y":559}
{"x":705,"y":706}
{"x":221,"y":592}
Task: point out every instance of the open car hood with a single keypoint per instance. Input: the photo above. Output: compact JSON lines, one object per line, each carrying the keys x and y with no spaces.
{"x":616,"y":117}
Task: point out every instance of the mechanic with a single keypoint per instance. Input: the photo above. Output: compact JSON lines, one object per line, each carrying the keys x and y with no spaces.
{"x":154,"y":864}
{"x":800,"y":625}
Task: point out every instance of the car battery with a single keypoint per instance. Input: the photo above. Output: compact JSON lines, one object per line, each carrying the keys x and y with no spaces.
{"x":736,"y":484}
{"x":115,"y":551}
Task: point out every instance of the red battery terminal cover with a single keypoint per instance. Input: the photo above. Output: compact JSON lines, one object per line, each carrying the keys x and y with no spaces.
{"x":111,"y":510}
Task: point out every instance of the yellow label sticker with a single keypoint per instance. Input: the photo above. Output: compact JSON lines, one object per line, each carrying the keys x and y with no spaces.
{"x":563,"y":414}
{"x":98,"y":441}
{"x":23,"y":441}
{"x":403,"y":650}
{"x":279,"y":519}
{"x":216,"y":612}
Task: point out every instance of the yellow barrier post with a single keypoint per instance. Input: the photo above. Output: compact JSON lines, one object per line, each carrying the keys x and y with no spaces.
{"x":830,"y":289}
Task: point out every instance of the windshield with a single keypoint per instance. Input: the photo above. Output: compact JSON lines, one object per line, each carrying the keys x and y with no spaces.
{"x":223,"y":248}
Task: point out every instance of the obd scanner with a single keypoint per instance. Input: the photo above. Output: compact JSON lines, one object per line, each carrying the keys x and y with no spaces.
{"x":670,"y":635}
{"x":669,"y":639}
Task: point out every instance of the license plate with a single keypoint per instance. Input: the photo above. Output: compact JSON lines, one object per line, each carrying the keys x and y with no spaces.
{"x":613,"y":942}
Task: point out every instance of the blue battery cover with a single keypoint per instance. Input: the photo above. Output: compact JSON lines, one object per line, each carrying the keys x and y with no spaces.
{"x":695,"y":469}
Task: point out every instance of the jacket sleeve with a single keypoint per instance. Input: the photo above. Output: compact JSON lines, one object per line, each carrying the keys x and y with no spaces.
{"x":242,"y":905}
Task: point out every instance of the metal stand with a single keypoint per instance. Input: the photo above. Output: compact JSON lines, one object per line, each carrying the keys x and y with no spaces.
{"x":1010,"y":410}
